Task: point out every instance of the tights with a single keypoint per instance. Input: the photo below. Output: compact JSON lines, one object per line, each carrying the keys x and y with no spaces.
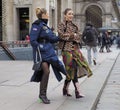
{"x":45,"y":67}
{"x":45,"y":77}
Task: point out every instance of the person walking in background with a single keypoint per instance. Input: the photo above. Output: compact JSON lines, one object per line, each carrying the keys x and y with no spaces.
{"x":99,"y":39}
{"x":105,"y":42}
{"x":118,"y":41}
{"x":27,"y":38}
{"x":90,"y":36}
{"x":42,"y":37}
{"x":75,"y":63}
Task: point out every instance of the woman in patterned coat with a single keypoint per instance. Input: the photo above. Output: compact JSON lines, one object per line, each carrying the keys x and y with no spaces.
{"x":75,"y":63}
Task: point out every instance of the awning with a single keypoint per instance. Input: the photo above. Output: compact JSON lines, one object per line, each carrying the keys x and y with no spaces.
{"x":110,"y":29}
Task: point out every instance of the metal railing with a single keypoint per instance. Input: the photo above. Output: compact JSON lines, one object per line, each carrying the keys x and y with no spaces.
{"x":5,"y":46}
{"x":7,"y":51}
{"x":18,"y":43}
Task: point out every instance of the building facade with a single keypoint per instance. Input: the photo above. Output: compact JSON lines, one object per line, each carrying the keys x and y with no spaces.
{"x":16,"y":16}
{"x":102,"y":13}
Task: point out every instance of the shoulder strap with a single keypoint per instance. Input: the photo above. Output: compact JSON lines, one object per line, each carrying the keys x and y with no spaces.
{"x":38,"y":53}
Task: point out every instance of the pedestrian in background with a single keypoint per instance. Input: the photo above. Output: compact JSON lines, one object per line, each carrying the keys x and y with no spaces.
{"x":99,"y":39}
{"x":105,"y":42}
{"x":42,"y":37}
{"x":27,"y":38}
{"x":118,"y":41}
{"x":75,"y":63}
{"x":90,"y":36}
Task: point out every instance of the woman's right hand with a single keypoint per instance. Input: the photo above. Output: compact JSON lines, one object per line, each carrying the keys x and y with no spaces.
{"x":72,"y":35}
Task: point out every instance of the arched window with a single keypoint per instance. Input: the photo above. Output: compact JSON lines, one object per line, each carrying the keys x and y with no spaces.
{"x":94,"y":14}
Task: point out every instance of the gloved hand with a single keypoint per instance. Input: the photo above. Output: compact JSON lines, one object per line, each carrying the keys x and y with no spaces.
{"x":60,"y":39}
{"x":72,"y":35}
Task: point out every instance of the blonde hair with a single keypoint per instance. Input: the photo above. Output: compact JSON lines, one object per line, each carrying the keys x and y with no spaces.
{"x":40,"y":11}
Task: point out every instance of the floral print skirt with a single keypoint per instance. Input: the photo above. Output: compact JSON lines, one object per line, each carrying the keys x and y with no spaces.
{"x":83,"y":69}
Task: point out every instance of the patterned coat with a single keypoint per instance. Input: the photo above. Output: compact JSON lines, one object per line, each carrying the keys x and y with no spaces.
{"x":69,"y":32}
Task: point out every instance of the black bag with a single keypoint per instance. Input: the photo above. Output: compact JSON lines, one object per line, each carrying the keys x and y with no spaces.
{"x":88,"y":36}
{"x":37,"y":64}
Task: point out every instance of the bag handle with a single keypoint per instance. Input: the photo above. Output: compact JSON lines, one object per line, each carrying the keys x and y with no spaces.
{"x":38,"y":53}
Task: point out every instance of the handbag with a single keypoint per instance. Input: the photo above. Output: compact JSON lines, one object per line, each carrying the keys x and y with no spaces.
{"x":37,"y":64}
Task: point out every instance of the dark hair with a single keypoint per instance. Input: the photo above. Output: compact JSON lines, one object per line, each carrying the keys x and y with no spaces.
{"x":66,"y":10}
{"x":89,"y":24}
{"x":40,"y":11}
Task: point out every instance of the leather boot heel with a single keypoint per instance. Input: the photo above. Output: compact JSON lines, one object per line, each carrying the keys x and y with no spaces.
{"x":65,"y":88}
{"x":45,"y":100}
{"x":69,"y":95}
{"x":65,"y":93}
{"x":77,"y":94}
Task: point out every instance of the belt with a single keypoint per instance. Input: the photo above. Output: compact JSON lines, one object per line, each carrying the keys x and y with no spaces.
{"x":42,"y":41}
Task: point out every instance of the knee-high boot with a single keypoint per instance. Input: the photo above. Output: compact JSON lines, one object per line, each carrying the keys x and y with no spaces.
{"x":77,"y":91}
{"x":101,"y":50}
{"x":43,"y":89}
{"x":108,"y":49}
{"x":65,"y":88}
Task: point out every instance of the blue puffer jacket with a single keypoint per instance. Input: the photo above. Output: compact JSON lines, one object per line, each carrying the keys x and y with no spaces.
{"x":41,"y":35}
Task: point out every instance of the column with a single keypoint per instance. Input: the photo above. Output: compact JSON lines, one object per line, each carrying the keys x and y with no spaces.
{"x":7,"y":20}
{"x":82,"y":22}
{"x":107,"y":20}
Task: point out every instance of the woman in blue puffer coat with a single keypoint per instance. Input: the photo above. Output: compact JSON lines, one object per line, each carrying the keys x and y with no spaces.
{"x":43,"y":37}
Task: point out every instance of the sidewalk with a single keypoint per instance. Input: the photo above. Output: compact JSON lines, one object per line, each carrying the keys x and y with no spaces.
{"x":110,"y":98}
{"x":17,"y":93}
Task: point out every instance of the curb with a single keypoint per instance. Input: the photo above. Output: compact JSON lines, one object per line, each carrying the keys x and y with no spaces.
{"x":92,"y":87}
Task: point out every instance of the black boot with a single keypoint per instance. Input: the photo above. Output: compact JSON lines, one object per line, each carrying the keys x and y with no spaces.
{"x":101,"y":50}
{"x":65,"y":88}
{"x":77,"y":93}
{"x":108,"y":50}
{"x":43,"y":89}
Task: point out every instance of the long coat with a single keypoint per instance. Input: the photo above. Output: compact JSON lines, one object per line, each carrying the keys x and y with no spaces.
{"x":71,"y":50}
{"x":39,"y":31}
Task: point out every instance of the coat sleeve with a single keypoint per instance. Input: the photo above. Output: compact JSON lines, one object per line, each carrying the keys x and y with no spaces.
{"x":34,"y":34}
{"x":52,"y":37}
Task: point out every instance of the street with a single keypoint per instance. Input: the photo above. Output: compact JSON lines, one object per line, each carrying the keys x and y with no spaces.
{"x":18,"y":93}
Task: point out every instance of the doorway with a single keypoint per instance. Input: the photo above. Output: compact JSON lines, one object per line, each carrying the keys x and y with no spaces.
{"x":23,"y":18}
